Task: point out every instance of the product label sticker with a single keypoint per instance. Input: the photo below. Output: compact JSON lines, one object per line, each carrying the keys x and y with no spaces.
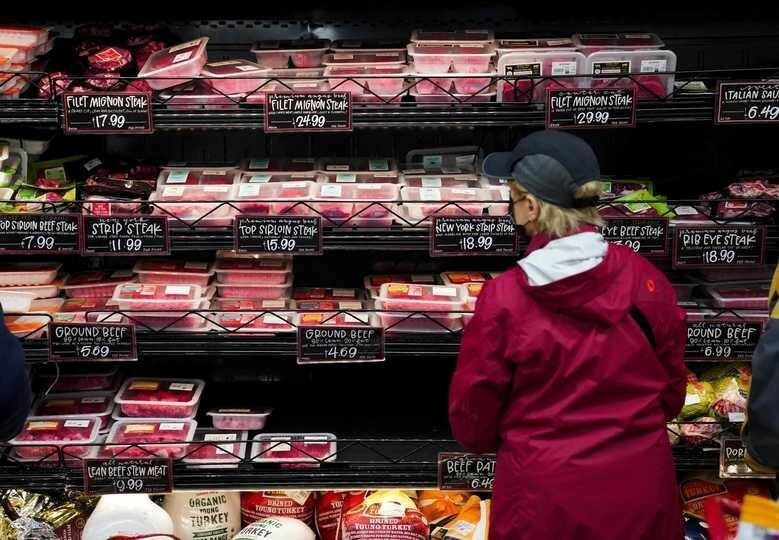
{"x":182,"y":57}
{"x":346,"y":178}
{"x":181,"y":387}
{"x":737,"y":417}
{"x":177,"y":290}
{"x":223,"y":63}
{"x":344,"y":293}
{"x":93,"y":400}
{"x":173,"y":191}
{"x":621,"y":67}
{"x":77,"y":423}
{"x":331,"y":190}
{"x":260,"y":178}
{"x":42,"y":426}
{"x":691,"y":399}
{"x":249,"y":190}
{"x":422,"y":278}
{"x":220,"y":437}
{"x":532,"y":69}
{"x":449,"y":292}
{"x":187,"y":45}
{"x":273,"y":318}
{"x":246,"y":68}
{"x":178,"y":176}
{"x":139,"y":428}
{"x":562,"y":69}
{"x":170,"y":426}
{"x":391,"y":509}
{"x":192,"y":265}
{"x":431,"y":181}
{"x":260,"y":164}
{"x":432,"y":162}
{"x":654,"y":66}
{"x":429,"y":194}
{"x":144,"y":385}
{"x":216,"y":189}
{"x":214,"y":172}
{"x":337,"y":168}
{"x":91,"y":164}
{"x":378,"y":165}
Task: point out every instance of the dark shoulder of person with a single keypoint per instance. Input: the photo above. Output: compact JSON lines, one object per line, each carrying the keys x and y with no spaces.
{"x":15,"y":391}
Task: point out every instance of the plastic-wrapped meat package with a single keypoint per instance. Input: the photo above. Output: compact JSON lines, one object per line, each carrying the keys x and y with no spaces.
{"x":384,"y":514}
{"x":187,"y":203}
{"x":198,"y":95}
{"x":590,"y":43}
{"x":460,"y":278}
{"x":150,"y":437}
{"x":274,"y":321}
{"x":160,"y":398}
{"x":253,"y":271}
{"x":49,"y":290}
{"x":143,"y":52}
{"x":440,"y":181}
{"x":15,"y":302}
{"x":381,"y":209}
{"x":258,"y":291}
{"x":153,"y":296}
{"x":744,"y":209}
{"x":235,"y":76}
{"x":320,"y":293}
{"x":23,"y":36}
{"x":104,"y":80}
{"x":436,"y":59}
{"x":198,"y":176}
{"x":730,"y":383}
{"x":110,"y":59}
{"x":399,"y":303}
{"x":537,"y":71}
{"x":90,"y":309}
{"x":331,"y":318}
{"x":473,"y":290}
{"x":248,"y":304}
{"x":381,"y":80}
{"x":82,"y":378}
{"x":740,"y":296}
{"x":42,"y":435}
{"x":294,"y":447}
{"x":77,"y":405}
{"x":702,"y":431}
{"x":747,"y":189}
{"x":217,"y":448}
{"x":27,"y":273}
{"x":56,"y":81}
{"x":171,"y":320}
{"x":421,"y":203}
{"x":181,"y":62}
{"x":641,"y":63}
{"x":95,"y":283}
{"x":303,"y":53}
{"x":373,"y":283}
{"x":166,"y":271}
{"x":280,"y":198}
{"x":249,"y":419}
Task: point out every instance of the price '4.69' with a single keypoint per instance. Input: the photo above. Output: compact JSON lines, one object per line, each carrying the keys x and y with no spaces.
{"x":341,"y":353}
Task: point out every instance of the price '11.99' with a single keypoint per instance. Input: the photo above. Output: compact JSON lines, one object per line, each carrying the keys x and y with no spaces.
{"x":125,"y":245}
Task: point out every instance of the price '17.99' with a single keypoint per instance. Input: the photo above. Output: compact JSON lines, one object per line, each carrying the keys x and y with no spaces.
{"x":116,"y":121}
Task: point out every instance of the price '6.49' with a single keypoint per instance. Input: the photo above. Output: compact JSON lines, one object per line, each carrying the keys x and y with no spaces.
{"x":766,"y":112}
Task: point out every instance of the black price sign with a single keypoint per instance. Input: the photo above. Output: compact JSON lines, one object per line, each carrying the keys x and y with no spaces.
{"x":719,"y":340}
{"x":582,"y":108}
{"x":278,"y":234}
{"x":40,"y":233}
{"x":308,"y":111}
{"x":466,"y":472}
{"x":648,"y":236}
{"x":340,"y":344}
{"x":747,"y":103}
{"x":109,"y":476}
{"x":107,"y":113}
{"x":82,"y":342}
{"x":696,"y":247}
{"x":473,"y":235}
{"x":733,"y":461}
{"x":126,"y":235}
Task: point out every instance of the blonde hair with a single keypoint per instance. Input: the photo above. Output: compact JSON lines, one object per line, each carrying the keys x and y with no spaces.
{"x":558,"y":221}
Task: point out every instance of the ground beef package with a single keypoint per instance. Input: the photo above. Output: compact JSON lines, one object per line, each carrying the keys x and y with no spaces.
{"x":256,"y":505}
{"x":385,"y":515}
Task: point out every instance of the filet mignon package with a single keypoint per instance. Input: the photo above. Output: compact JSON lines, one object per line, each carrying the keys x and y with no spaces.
{"x":298,"y":504}
{"x":385,"y":515}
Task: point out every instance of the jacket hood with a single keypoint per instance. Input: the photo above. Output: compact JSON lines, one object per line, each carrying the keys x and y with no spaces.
{"x":578,"y":275}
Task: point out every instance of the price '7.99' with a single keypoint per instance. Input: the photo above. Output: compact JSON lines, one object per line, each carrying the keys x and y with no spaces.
{"x":37,"y":242}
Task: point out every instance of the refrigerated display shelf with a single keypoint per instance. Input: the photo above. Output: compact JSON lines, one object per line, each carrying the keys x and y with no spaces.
{"x":360,"y":463}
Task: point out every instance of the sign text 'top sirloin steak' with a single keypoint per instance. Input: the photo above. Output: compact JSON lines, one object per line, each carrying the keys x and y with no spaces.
{"x":40,"y":233}
{"x":747,"y":103}
{"x":308,"y":111}
{"x":278,"y":234}
{"x":466,"y":472}
{"x":108,"y":476}
{"x":126,"y":235}
{"x":582,"y":108}
{"x":86,"y":342}
{"x":340,"y":344}
{"x":715,"y":339}
{"x":107,"y":112}
{"x":648,"y":236}
{"x":719,"y":246}
{"x":473,"y":235}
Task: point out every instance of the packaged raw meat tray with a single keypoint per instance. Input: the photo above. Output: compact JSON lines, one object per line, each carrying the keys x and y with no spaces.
{"x":280,"y":165}
{"x":536,"y":71}
{"x":303,"y":53}
{"x":251,"y":419}
{"x":188,"y":203}
{"x":235,"y":76}
{"x":171,"y":320}
{"x":160,"y":398}
{"x":14,"y":274}
{"x":82,"y":378}
{"x":280,"y":198}
{"x":319,"y":293}
{"x":92,"y":309}
{"x":641,"y":62}
{"x":215,"y":448}
{"x":253,"y":271}
{"x":740,"y":296}
{"x":151,"y":296}
{"x":469,"y":37}
{"x":23,"y":36}
{"x":151,"y":437}
{"x":204,"y":176}
{"x":294,"y":447}
{"x":440,"y":180}
{"x":15,"y":302}
{"x":460,"y":278}
{"x":243,"y":304}
{"x":258,"y":291}
{"x":182,"y":62}
{"x":561,"y":44}
{"x":590,"y":43}
{"x":420,"y":203}
{"x":420,"y":297}
{"x":95,"y":283}
{"x":42,"y":435}
{"x":435,"y":59}
{"x":166,"y":271}
{"x":77,"y":405}
{"x":255,"y":322}
{"x":373,"y":283}
{"x":328,"y":305}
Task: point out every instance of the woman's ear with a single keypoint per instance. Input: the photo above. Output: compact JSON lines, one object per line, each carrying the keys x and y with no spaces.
{"x":533,"y":208}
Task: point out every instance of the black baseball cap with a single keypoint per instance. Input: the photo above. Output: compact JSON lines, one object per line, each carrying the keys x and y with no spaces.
{"x":550,"y":164}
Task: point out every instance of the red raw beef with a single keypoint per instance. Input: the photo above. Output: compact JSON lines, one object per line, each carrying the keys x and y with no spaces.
{"x":747,"y":190}
{"x":103,"y":80}
{"x":58,"y":79}
{"x":60,"y":431}
{"x":136,"y":432}
{"x":110,"y":59}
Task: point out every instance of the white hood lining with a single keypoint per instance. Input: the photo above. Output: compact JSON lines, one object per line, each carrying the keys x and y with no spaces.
{"x":564,"y":257}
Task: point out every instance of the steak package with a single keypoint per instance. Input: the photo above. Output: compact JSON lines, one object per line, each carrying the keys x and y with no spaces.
{"x":385,"y":515}
{"x":291,"y":504}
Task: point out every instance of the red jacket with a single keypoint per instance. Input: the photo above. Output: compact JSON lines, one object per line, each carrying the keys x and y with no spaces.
{"x":561,"y":381}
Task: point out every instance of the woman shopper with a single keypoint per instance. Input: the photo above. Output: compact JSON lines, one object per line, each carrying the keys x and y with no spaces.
{"x":571,"y":365}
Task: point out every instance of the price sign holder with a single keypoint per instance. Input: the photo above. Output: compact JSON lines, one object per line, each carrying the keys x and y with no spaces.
{"x":718,"y":340}
{"x":125,"y":235}
{"x":732,"y":461}
{"x":87,"y":342}
{"x":340,"y":344}
{"x":42,"y":233}
{"x":755,"y":102}
{"x":726,"y":246}
{"x":109,"y":476}
{"x":107,"y":113}
{"x":473,"y":235}
{"x":587,"y":108}
{"x":293,"y":112}
{"x":466,"y":472}
{"x":277,"y":234}
{"x":645,"y":235}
